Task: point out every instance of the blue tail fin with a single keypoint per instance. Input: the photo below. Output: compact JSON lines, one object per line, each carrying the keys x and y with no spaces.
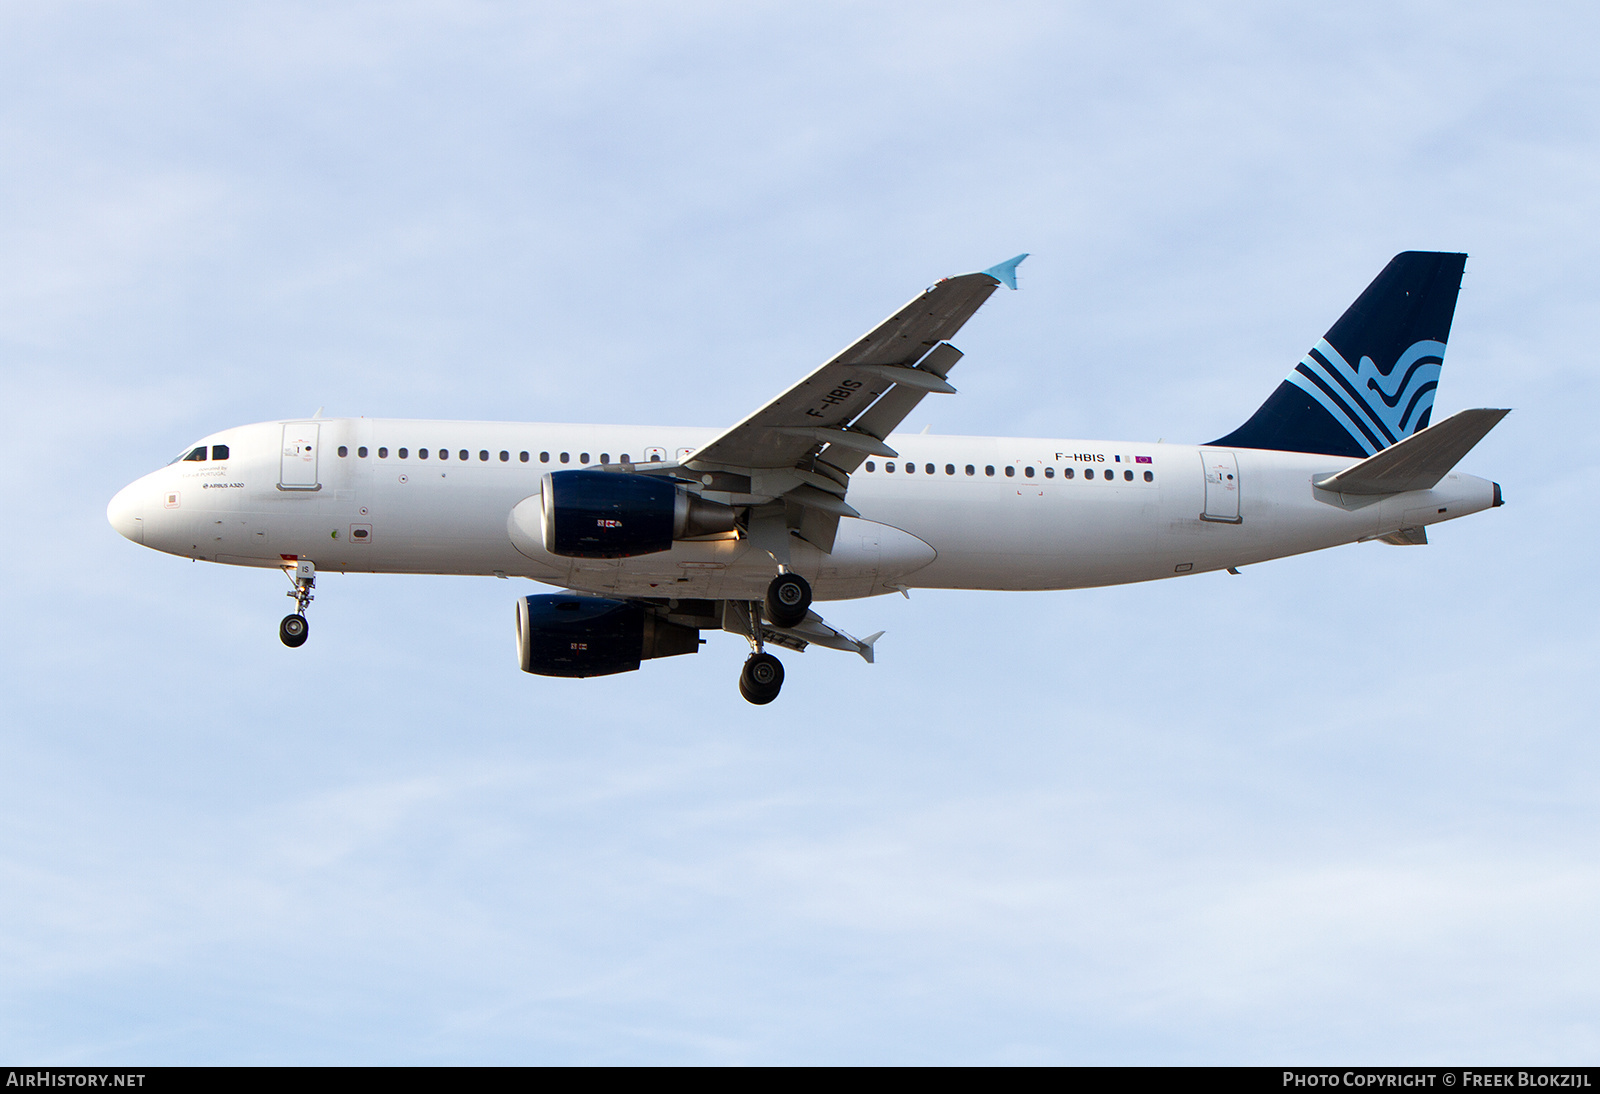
{"x":1370,"y":381}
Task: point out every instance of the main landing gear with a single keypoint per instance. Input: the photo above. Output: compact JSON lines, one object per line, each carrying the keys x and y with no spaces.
{"x":294,"y":629}
{"x":761,"y":678}
{"x":788,"y":600}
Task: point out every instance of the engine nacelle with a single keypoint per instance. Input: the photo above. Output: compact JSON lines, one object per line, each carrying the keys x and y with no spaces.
{"x":568,"y":635}
{"x":605,"y":514}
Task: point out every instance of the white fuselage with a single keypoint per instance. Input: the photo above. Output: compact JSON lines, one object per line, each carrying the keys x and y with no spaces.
{"x":1130,"y":511}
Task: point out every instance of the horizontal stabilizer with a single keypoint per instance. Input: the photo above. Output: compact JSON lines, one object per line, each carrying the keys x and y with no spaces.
{"x":1419,"y":461}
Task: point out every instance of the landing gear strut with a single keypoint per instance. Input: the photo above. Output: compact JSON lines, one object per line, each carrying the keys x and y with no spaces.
{"x":294,"y":628}
{"x":788,"y":599}
{"x":762,"y":676}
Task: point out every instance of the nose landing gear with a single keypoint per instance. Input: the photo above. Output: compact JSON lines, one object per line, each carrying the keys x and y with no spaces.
{"x":294,"y":629}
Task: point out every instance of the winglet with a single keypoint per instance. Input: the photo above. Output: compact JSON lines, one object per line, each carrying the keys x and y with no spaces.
{"x":1006,"y":272}
{"x":866,"y":645}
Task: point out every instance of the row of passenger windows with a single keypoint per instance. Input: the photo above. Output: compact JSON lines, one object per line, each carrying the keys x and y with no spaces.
{"x":605,"y":458}
{"x":1011,"y":472}
{"x":198,"y":454}
{"x":484,"y":455}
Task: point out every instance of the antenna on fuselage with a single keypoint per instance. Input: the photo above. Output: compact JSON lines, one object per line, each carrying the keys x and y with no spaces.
{"x":318,"y":414}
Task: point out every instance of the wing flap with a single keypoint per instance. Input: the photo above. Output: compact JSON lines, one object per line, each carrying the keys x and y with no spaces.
{"x":813,"y":630}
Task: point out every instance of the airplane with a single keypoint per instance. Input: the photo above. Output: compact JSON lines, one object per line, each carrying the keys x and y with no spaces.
{"x":654,"y":534}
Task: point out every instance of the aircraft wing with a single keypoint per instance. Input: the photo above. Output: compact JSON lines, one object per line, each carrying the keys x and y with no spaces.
{"x":802,"y":446}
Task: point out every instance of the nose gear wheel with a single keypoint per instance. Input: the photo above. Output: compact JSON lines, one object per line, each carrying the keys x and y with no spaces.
{"x":293,"y":631}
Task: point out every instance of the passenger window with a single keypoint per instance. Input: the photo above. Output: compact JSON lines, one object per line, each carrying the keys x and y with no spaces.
{"x":1049,"y":472}
{"x":1028,"y":471}
{"x":505,"y":457}
{"x":219,"y":451}
{"x":625,"y":458}
{"x":1149,"y":476}
{"x":196,"y":456}
{"x":343,"y":451}
{"x":949,"y":469}
{"x":605,"y":457}
{"x":583,"y":457}
{"x":523,"y":456}
{"x":988,"y":469}
{"x":422,"y":453}
{"x":463,"y":454}
{"x":1067,"y":472}
{"x":889,"y":467}
{"x":1088,"y":472}
{"x":1011,"y":472}
{"x":1128,"y":475}
{"x":483,"y":455}
{"x":444,"y":453}
{"x":971,"y":470}
{"x":911,"y":468}
{"x":565,"y":458}
{"x":871,"y":466}
{"x":544,"y":457}
{"x":928,"y":468}
{"x":402,"y":454}
{"x":383,"y":453}
{"x":362,"y":452}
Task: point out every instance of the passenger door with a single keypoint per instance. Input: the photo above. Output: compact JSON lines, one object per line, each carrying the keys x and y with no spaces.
{"x":1222,"y":487}
{"x":298,"y":469}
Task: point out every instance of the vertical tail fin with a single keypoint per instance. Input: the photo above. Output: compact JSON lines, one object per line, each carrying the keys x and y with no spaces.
{"x":1370,"y":381}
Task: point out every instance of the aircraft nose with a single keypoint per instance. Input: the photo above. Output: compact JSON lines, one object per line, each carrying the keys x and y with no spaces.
{"x":126,"y":512}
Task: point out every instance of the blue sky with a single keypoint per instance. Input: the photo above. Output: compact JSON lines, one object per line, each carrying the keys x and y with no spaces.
{"x":1341,"y":807}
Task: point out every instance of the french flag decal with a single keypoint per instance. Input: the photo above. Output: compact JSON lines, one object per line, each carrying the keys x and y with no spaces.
{"x":1142,"y":459}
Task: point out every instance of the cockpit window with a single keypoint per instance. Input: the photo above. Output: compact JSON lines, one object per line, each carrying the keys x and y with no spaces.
{"x":194,"y":454}
{"x":219,"y":451}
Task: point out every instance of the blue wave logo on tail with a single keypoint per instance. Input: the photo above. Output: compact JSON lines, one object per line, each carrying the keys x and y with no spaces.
{"x":1396,"y":333}
{"x":1374,"y":409}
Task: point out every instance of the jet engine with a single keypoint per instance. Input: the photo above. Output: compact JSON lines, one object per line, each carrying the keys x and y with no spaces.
{"x":604,"y":514}
{"x":569,"y":635}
